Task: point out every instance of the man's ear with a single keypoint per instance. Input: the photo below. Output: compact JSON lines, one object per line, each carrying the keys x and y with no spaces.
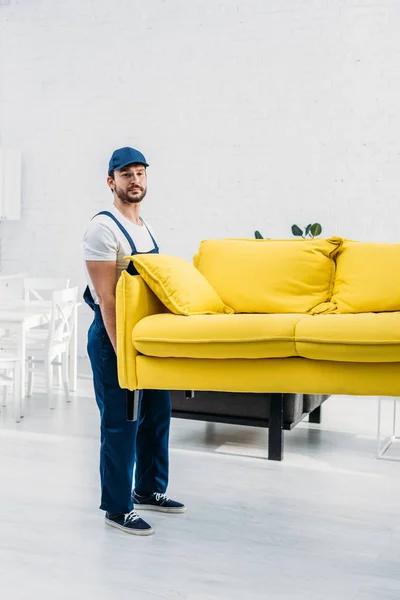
{"x":111,"y":183}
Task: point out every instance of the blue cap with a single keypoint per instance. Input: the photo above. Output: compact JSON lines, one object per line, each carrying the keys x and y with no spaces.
{"x":125,"y":156}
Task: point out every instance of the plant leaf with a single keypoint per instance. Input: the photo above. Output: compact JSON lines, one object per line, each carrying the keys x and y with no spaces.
{"x":258,"y":235}
{"x":296,"y":230}
{"x":307,"y":231}
{"x":315,"y":229}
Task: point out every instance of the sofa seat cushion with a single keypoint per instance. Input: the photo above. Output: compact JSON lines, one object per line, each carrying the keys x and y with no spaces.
{"x":216,"y":336}
{"x":363,"y":337}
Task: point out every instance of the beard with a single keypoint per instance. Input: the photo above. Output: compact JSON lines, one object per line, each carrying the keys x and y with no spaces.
{"x":127,"y":198}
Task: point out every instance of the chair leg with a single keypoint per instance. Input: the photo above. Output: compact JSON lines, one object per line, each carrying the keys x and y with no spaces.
{"x":18,"y":402}
{"x":60,"y":371}
{"x":5,"y":393}
{"x":383,"y":444}
{"x":49,"y":383}
{"x":30,"y":376}
{"x":65,"y":373}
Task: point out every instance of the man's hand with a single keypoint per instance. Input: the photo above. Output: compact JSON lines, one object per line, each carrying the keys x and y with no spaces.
{"x":104,"y":277}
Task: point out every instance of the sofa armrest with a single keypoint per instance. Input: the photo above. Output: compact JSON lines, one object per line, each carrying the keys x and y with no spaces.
{"x":134,"y":301}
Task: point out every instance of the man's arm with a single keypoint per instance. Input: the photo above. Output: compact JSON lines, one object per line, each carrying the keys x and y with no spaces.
{"x":104,"y":278}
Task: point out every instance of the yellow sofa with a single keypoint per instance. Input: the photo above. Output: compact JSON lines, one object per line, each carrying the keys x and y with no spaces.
{"x":315,"y":316}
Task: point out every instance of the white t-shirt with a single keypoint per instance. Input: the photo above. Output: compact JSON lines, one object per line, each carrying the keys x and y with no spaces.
{"x":103,"y":240}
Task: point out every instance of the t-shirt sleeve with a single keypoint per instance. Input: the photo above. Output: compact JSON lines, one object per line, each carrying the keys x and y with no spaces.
{"x":99,"y":242}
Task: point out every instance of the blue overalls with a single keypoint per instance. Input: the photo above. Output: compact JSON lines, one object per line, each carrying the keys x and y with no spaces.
{"x":124,"y":442}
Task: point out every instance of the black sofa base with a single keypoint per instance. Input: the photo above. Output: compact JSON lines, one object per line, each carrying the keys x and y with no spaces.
{"x":255,"y":410}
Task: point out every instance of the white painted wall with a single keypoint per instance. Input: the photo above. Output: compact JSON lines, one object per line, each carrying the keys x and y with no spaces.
{"x":252,"y":114}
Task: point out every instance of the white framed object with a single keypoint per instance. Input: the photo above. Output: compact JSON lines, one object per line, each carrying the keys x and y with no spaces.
{"x":383,"y":445}
{"x":10,"y":185}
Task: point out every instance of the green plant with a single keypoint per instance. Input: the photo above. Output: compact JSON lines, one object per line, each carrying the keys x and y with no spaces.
{"x":312,"y":230}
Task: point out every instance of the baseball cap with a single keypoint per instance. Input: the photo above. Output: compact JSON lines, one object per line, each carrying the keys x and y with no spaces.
{"x":125,"y":156}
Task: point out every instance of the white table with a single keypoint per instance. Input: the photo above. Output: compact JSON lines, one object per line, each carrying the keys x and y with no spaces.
{"x":20,"y":316}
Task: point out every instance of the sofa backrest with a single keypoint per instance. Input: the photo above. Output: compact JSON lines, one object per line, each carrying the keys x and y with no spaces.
{"x":270,"y":276}
{"x":367,"y":278}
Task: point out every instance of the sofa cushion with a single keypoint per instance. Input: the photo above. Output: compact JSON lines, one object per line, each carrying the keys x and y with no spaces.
{"x":179,"y":285}
{"x":216,"y":336}
{"x":367,"y":278}
{"x":270,"y":276}
{"x":363,"y":337}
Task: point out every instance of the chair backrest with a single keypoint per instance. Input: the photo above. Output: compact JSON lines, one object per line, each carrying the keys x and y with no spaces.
{"x":62,"y":315}
{"x":36,"y":288}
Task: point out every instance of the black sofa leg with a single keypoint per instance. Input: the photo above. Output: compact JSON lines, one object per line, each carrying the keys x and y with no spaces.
{"x":315,"y":415}
{"x":132,"y":405}
{"x":275,"y":427}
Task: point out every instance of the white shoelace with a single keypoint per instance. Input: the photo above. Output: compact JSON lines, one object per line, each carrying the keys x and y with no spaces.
{"x":131,"y":517}
{"x":162,"y":497}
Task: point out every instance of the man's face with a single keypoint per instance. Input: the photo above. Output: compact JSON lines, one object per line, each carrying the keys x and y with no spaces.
{"x":130,"y":183}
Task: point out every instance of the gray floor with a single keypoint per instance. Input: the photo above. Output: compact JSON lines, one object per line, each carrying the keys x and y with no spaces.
{"x":323,"y":524}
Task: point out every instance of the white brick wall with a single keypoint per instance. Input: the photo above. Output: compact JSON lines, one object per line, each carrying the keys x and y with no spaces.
{"x":253,"y":114}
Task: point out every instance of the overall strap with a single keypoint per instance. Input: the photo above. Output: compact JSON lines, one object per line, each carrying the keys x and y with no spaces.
{"x":152,"y":239}
{"x":122,"y":228}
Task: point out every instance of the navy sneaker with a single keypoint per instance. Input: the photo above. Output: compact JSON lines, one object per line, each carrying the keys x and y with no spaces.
{"x":130,"y":523}
{"x":158,"y":502}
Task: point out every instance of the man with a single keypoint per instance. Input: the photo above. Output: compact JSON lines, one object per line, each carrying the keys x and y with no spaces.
{"x":110,"y":236}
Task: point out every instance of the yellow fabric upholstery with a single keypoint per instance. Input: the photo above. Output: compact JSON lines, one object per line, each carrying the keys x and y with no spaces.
{"x":302,"y":350}
{"x":179,"y":285}
{"x":367,"y":278}
{"x":217,"y":336}
{"x":286,"y":375}
{"x":365,"y":337}
{"x":270,"y":276}
{"x":134,"y":301}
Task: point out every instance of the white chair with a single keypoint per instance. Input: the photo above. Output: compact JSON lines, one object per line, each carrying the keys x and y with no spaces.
{"x":36,"y":288}
{"x":9,"y":376}
{"x":11,"y":289}
{"x":50,"y":347}
{"x":40,"y":289}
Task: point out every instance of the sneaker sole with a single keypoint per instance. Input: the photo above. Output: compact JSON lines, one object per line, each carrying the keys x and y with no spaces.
{"x":141,"y":532}
{"x":163,"y":509}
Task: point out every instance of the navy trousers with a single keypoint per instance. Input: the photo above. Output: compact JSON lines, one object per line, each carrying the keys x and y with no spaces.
{"x":124,"y":443}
